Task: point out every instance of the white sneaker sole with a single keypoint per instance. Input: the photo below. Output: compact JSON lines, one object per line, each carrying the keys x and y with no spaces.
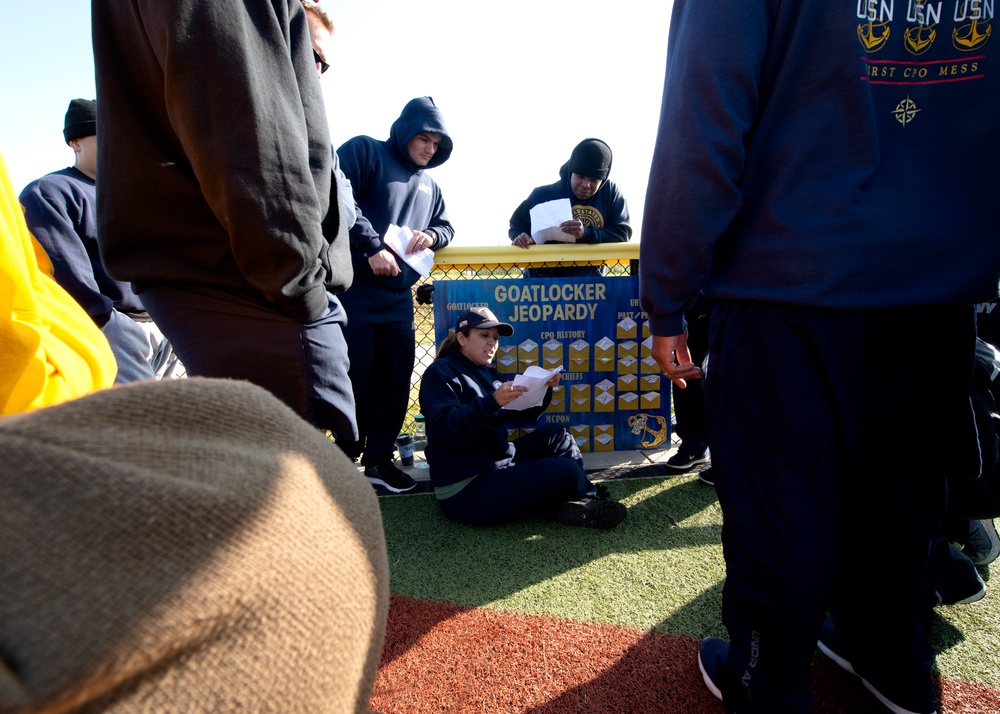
{"x":383,"y":484}
{"x":708,"y":680}
{"x":848,"y":667}
{"x":688,"y":464}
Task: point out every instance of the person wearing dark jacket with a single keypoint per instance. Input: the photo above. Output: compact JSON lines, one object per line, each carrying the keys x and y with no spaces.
{"x":391,"y":187}
{"x":61,"y":212}
{"x":824,"y":174}
{"x":215,"y":189}
{"x":600,"y":213}
{"x":479,"y":476}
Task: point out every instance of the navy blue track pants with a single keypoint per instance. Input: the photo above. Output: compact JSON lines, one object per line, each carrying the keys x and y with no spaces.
{"x":819,"y":424}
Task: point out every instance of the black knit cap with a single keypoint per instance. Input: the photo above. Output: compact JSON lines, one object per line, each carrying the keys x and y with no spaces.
{"x":81,"y":119}
{"x":591,"y":158}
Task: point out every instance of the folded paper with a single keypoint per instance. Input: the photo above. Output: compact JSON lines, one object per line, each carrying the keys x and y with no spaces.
{"x":534,"y":380}
{"x":546,"y":219}
{"x":398,"y":238}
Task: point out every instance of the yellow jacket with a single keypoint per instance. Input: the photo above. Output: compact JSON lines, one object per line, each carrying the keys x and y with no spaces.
{"x":50,"y":349}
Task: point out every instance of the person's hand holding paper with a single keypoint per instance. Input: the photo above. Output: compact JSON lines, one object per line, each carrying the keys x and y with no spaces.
{"x":399,"y":239}
{"x":537,"y":381}
{"x":547,"y":219}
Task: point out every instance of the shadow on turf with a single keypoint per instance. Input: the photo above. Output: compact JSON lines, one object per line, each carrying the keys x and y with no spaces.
{"x":617,"y":473}
{"x":434,"y":558}
{"x":658,"y":673}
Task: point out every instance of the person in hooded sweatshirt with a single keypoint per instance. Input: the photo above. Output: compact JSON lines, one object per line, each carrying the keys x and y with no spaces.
{"x":600,"y":213}
{"x":391,"y":187}
{"x":217,"y":197}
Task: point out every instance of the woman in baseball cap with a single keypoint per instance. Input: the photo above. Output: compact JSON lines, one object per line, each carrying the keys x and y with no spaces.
{"x":480,"y":476}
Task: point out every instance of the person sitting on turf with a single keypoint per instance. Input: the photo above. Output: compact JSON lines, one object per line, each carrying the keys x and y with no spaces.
{"x":479,"y":476}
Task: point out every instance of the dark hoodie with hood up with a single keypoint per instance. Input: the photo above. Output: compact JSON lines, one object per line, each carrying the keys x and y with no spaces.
{"x":604,"y":215}
{"x":390,"y":189}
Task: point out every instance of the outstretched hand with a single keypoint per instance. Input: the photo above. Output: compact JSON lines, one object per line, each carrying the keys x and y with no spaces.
{"x":674,"y":358}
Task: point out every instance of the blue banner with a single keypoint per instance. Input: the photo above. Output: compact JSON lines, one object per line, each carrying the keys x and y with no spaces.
{"x":613,"y":396}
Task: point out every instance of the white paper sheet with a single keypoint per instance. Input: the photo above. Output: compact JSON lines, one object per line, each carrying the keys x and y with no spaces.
{"x":534,"y":378}
{"x":546,"y":219}
{"x":398,"y":238}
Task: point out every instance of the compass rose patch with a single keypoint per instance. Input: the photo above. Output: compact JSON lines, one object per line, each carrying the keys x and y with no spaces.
{"x":906,"y":111}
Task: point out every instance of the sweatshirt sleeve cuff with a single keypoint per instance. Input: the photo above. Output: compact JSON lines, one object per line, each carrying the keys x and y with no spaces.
{"x":372,"y":247}
{"x":667,"y":325}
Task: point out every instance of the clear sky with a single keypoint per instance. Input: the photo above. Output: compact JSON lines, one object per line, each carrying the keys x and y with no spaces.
{"x":518,"y":84}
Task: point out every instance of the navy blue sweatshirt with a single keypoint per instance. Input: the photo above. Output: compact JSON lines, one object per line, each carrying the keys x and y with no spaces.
{"x":390,"y":189}
{"x":823,"y":154}
{"x":604,"y":215}
{"x":465,"y":425}
{"x":60,"y":210}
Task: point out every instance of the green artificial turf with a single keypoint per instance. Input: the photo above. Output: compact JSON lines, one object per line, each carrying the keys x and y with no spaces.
{"x":661,"y":569}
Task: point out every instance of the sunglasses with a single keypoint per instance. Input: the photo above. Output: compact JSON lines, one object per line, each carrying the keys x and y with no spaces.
{"x":323,"y":64}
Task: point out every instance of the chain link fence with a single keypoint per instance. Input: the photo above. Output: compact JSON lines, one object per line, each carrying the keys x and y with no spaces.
{"x":504,"y":263}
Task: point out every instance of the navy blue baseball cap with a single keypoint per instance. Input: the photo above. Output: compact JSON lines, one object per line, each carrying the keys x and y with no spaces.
{"x":483,"y":318}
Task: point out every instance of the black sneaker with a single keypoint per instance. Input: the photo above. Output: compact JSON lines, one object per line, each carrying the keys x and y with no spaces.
{"x":390,"y":477}
{"x":829,"y":645}
{"x":601,"y":513}
{"x":711,"y":656}
{"x":959,"y":584}
{"x":706,"y":476}
{"x":684,"y":459}
{"x":983,"y":543}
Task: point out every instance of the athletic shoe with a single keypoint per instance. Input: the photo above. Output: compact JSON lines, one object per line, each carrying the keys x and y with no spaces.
{"x":601,"y":513}
{"x":983,"y":544}
{"x":706,"y":476}
{"x":685,"y":459}
{"x":390,"y":477}
{"x":830,"y":646}
{"x":962,"y":593}
{"x":711,"y":656}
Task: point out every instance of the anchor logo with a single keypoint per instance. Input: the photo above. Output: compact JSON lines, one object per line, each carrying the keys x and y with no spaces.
{"x":640,"y":425}
{"x":969,"y":37}
{"x":918,"y":39}
{"x":906,"y":111}
{"x":873,"y":35}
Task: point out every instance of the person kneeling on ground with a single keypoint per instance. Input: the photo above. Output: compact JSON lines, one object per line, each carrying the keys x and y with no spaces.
{"x":479,"y":476}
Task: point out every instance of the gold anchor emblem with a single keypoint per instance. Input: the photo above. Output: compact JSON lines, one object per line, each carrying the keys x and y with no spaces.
{"x":919,"y":39}
{"x":873,"y":35}
{"x":968,"y":37}
{"x":640,"y":425}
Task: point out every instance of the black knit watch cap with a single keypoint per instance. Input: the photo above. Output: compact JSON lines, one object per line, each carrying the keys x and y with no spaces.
{"x":591,"y":158}
{"x":81,"y":119}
